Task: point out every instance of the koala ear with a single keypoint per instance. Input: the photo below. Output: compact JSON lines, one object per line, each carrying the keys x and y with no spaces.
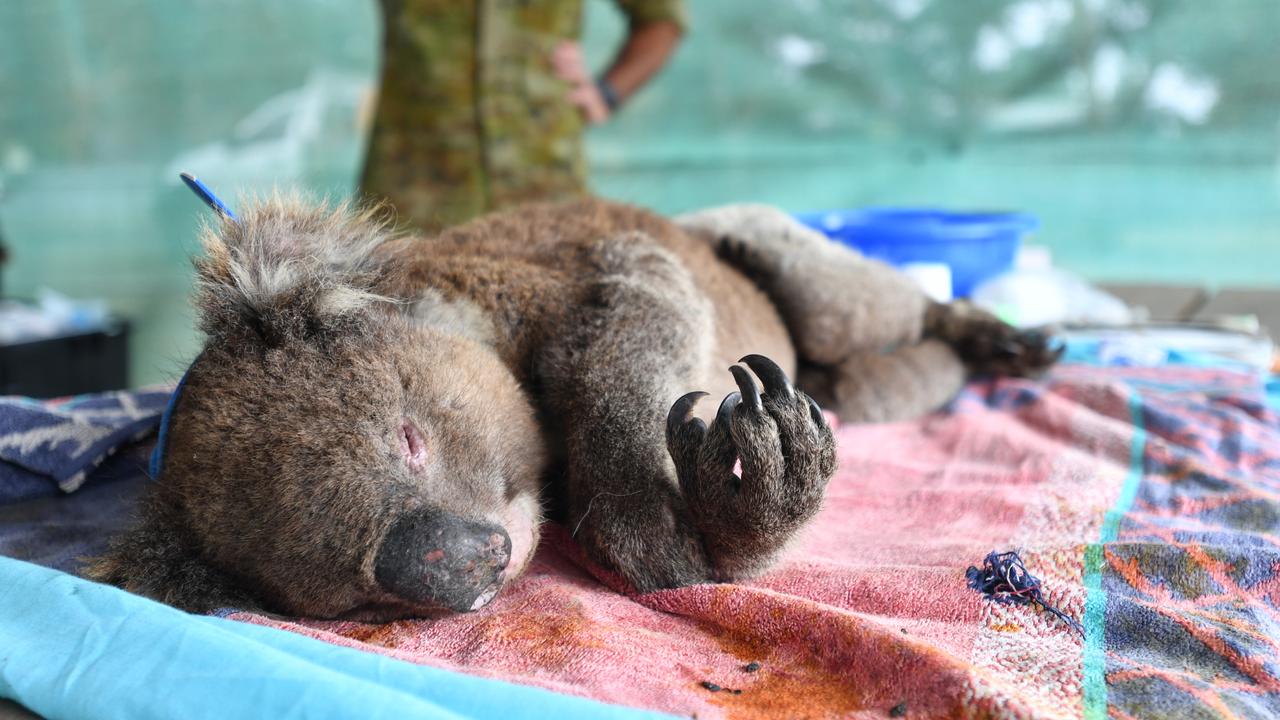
{"x":153,"y":560}
{"x":287,"y":267}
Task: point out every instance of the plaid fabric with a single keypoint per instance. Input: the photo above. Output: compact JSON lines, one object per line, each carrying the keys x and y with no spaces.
{"x":56,"y":443}
{"x":1147,"y":500}
{"x":1182,"y":581}
{"x":1190,"y":566}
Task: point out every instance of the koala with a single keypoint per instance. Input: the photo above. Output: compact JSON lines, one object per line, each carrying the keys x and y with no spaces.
{"x":378,"y":425}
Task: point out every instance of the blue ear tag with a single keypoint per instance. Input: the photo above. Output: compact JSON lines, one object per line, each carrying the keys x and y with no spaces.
{"x":203,"y":192}
{"x":157,"y":455}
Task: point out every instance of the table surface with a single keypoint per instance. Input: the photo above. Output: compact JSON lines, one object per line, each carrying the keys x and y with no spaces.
{"x":1188,"y":302}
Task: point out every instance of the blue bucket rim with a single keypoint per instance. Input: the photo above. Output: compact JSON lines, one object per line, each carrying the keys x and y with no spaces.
{"x":942,"y":225}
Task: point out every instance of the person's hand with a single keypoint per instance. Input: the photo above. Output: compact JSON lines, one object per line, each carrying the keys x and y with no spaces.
{"x":590,"y":103}
{"x":567,"y":62}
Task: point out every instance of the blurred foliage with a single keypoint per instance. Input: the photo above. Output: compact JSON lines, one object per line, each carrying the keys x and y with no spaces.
{"x":982,"y":68}
{"x":1143,"y":133}
{"x":948,"y":74}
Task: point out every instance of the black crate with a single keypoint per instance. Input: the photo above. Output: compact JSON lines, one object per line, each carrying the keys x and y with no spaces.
{"x":67,"y":365}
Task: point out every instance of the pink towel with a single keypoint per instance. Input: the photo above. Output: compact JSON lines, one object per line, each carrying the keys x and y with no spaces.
{"x":868,"y":612}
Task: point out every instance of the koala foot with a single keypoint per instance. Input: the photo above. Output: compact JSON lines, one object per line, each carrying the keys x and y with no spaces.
{"x":786,"y":452}
{"x":990,"y":346}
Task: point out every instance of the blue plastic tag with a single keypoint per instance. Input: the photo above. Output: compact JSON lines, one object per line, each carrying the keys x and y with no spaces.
{"x":203,"y":192}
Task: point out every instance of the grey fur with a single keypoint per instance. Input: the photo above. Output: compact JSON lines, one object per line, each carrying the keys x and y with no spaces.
{"x":520,"y":364}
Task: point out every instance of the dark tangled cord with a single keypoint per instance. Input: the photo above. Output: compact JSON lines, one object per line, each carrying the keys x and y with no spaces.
{"x":1004,"y":579}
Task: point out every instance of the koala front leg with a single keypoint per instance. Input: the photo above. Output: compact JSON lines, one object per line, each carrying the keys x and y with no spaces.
{"x":632,"y":345}
{"x":641,"y":339}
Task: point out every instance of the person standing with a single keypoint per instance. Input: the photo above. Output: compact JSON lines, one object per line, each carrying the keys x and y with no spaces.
{"x":484,"y":102}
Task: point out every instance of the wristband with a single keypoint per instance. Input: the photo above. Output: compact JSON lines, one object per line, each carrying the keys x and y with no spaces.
{"x":609,"y":94}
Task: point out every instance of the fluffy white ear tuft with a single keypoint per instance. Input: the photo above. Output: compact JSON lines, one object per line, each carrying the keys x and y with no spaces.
{"x":288,"y":264}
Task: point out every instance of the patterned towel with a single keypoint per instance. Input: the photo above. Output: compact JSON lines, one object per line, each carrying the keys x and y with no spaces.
{"x":56,"y":443}
{"x":1147,"y":500}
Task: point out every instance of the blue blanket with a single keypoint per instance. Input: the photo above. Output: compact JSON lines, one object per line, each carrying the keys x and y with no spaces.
{"x":52,"y":445}
{"x":74,"y":649}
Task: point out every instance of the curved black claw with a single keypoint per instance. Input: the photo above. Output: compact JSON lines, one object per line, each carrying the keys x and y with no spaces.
{"x":680,"y":411}
{"x":815,"y":412}
{"x":747,"y":384}
{"x":730,"y":401}
{"x":774,"y":378}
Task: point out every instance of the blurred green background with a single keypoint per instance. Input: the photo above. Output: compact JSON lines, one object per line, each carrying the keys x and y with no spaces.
{"x":1143,"y":133}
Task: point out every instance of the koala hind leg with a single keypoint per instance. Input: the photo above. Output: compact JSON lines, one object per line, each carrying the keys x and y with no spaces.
{"x":911,"y":380}
{"x":835,"y":302}
{"x":988,"y":345}
{"x":870,"y":386}
{"x":872,"y":345}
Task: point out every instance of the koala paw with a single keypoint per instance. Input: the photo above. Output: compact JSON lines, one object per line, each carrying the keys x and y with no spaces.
{"x":786,"y":452}
{"x":990,"y":346}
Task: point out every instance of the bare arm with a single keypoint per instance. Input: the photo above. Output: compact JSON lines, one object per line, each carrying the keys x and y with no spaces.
{"x":646,"y":50}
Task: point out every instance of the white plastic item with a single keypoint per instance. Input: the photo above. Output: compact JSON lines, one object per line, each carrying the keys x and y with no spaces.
{"x":1043,"y":296}
{"x":933,"y":278}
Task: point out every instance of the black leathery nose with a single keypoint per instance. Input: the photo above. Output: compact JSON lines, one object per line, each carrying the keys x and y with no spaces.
{"x":432,"y":557}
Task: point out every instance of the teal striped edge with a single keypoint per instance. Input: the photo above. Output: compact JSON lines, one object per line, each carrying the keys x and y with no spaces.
{"x":1095,"y":605}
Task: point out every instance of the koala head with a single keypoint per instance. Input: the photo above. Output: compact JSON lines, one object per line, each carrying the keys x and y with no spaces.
{"x":332,"y":453}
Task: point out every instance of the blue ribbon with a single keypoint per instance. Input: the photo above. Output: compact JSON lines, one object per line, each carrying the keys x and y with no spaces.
{"x":203,"y":192}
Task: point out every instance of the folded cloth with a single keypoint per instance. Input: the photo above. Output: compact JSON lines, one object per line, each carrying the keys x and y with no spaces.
{"x":75,"y":649}
{"x":48,"y":444}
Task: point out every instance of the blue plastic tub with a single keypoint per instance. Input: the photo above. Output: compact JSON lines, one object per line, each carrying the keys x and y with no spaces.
{"x":976,"y":246}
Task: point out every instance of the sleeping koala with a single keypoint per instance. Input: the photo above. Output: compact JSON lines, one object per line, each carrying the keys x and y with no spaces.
{"x":377,"y":426}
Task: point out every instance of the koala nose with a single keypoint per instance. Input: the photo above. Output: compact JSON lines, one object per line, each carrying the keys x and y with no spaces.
{"x":437,"y":558}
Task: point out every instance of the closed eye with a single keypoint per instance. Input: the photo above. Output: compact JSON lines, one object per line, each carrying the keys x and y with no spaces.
{"x":413,"y":445}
